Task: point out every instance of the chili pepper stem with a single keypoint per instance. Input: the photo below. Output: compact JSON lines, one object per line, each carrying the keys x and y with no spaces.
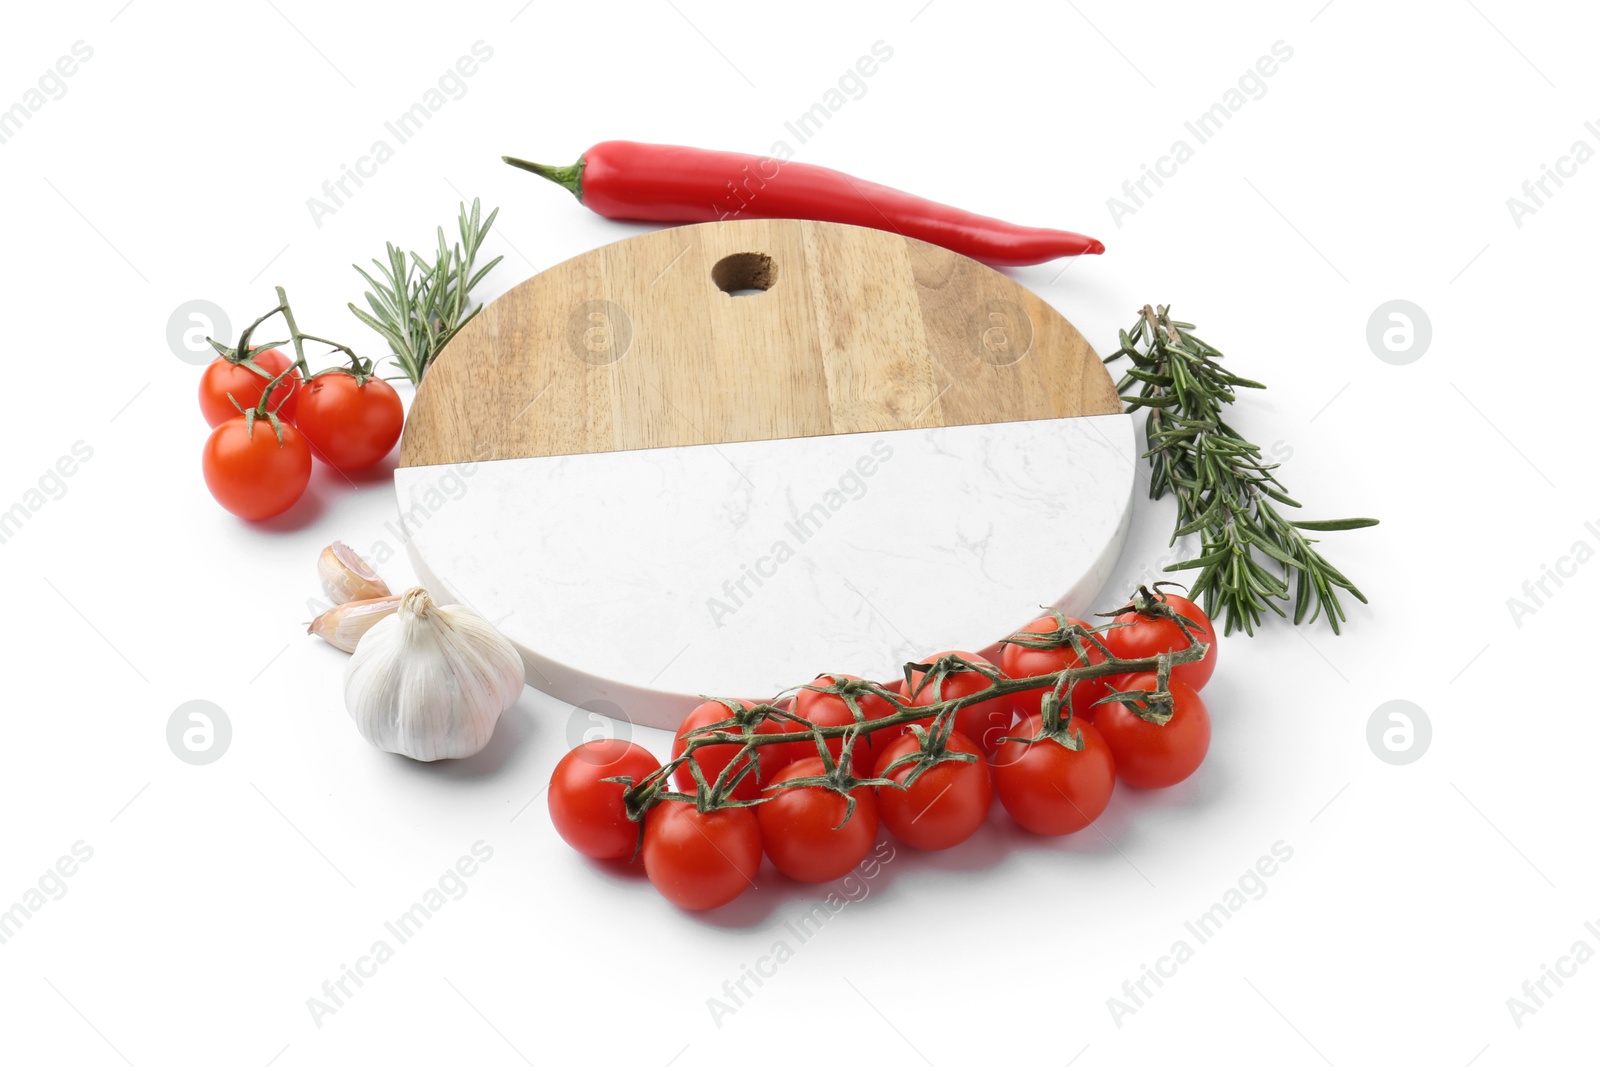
{"x":569,"y":178}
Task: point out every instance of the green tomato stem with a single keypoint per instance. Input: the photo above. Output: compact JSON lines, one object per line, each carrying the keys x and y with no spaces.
{"x":1057,"y":718}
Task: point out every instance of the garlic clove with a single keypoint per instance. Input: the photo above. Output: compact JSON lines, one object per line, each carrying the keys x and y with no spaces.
{"x":346,"y":576}
{"x":342,"y":626}
{"x":431,"y":681}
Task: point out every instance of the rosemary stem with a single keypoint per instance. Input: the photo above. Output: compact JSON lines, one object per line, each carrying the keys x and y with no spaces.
{"x":1225,"y":492}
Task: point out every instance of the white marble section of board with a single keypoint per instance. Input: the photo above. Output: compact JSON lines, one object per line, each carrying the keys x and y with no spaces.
{"x":640,"y":579}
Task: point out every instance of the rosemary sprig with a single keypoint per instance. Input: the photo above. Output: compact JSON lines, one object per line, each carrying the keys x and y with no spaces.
{"x":1224,"y":490}
{"x":417,"y":305}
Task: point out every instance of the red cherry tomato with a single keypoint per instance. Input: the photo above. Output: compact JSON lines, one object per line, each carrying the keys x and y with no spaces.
{"x":349,"y":426}
{"x":700,"y":860}
{"x":945,"y":805}
{"x":804,"y":828}
{"x":587,"y":811}
{"x":221,"y":378}
{"x":1151,"y":756}
{"x":250,"y":472}
{"x":985,"y":722}
{"x":830,"y":709}
{"x":714,"y":757}
{"x":1144,"y":637}
{"x":1049,"y":788}
{"x":1020,"y":662}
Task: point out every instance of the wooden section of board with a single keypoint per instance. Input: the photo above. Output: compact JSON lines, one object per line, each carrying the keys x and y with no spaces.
{"x":639,"y":345}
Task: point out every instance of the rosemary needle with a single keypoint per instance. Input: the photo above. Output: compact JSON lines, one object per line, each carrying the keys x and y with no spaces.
{"x":418,"y":305}
{"x":1249,"y":553}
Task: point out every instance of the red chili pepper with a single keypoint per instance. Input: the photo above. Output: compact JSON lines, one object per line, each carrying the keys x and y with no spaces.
{"x":670,"y":183}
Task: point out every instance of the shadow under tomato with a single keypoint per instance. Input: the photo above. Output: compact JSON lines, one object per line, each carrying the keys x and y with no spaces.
{"x":623,"y":871}
{"x":381,"y":472}
{"x":1106,"y":841}
{"x":1196,"y":793}
{"x":889,"y":861}
{"x":305,"y":511}
{"x":982,"y":850}
{"x":771,"y":892}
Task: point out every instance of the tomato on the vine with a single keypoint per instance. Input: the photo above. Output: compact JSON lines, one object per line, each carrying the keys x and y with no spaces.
{"x":714,"y":757}
{"x":588,"y":812}
{"x":945,"y":805}
{"x":986,"y":721}
{"x":700,"y":860}
{"x":1018,"y":661}
{"x":1049,"y":788}
{"x":221,"y":377}
{"x":256,"y":469}
{"x":350,"y":425}
{"x":1151,"y":755}
{"x":830,"y":709}
{"x":804,"y":829}
{"x":1144,"y":636}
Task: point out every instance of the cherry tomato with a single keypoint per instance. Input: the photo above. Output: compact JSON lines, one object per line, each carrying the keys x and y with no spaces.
{"x":830,"y":709}
{"x":349,"y":426}
{"x":1047,"y":787}
{"x":1020,"y":662}
{"x":700,"y":860}
{"x":221,"y":378}
{"x":985,"y":722}
{"x":712,"y":758}
{"x":250,"y":472}
{"x":1145,"y":637}
{"x":587,"y":811}
{"x":1151,"y":756}
{"x":804,"y":828}
{"x":945,"y":805}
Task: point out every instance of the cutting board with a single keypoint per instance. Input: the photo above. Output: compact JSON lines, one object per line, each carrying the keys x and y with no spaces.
{"x":721,"y":459}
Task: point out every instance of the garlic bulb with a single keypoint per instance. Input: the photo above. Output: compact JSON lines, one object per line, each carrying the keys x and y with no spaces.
{"x":346,"y":576}
{"x":344,"y":625}
{"x":430,"y":681}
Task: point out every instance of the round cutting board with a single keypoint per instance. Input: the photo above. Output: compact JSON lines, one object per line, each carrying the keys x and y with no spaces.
{"x":721,"y":459}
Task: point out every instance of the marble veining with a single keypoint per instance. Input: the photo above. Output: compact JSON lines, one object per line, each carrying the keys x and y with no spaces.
{"x":647,"y":577}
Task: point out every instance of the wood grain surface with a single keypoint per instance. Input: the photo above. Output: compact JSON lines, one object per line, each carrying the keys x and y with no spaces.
{"x":639,"y":345}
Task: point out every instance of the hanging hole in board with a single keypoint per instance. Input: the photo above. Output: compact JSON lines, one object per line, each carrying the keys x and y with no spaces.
{"x":744,"y":273}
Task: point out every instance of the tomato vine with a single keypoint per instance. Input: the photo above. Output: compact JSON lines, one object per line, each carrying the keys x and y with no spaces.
{"x":742,"y":726}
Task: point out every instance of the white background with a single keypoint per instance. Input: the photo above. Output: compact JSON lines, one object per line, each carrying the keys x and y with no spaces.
{"x":1376,"y":166}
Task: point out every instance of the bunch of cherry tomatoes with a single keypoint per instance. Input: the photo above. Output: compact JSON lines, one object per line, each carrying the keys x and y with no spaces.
{"x":807,"y":781}
{"x":270,"y":415}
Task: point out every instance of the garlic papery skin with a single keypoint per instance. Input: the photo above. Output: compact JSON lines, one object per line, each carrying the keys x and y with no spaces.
{"x":346,"y":576}
{"x":343,"y":626}
{"x":430,"y":681}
